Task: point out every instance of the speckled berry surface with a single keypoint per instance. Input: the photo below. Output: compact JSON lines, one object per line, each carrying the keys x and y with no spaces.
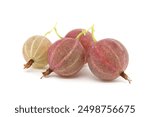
{"x":108,"y":58}
{"x":66,"y":57}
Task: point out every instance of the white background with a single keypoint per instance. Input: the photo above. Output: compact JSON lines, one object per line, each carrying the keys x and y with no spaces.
{"x":125,"y":20}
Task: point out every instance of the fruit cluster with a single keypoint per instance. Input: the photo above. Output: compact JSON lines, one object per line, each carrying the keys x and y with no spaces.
{"x":106,"y":58}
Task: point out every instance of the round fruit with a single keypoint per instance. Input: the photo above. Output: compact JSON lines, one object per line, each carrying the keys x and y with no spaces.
{"x":108,"y":59}
{"x":35,"y":51}
{"x":65,"y":57}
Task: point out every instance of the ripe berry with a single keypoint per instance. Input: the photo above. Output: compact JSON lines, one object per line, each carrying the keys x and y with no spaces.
{"x":65,"y":57}
{"x":108,"y":59}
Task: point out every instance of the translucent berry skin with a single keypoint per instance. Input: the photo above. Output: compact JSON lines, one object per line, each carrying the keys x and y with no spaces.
{"x":66,"y":57}
{"x":86,"y":40}
{"x":36,"y":48}
{"x":108,"y":58}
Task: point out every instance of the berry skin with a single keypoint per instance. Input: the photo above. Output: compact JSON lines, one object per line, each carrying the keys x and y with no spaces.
{"x":65,"y":57}
{"x":85,"y":39}
{"x":35,"y":51}
{"x":108,"y":59}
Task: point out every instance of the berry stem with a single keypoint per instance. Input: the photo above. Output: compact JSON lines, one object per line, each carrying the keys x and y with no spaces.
{"x":48,"y":32}
{"x":83,"y":32}
{"x":53,"y":29}
{"x":47,"y":72}
{"x":28,"y":64}
{"x":93,"y":30}
{"x":125,"y":77}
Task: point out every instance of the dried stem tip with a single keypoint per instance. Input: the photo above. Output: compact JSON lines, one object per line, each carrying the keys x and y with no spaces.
{"x":47,"y":72}
{"x":125,"y":77}
{"x":28,"y":64}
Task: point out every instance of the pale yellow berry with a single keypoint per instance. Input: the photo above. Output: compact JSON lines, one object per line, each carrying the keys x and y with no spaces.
{"x":35,"y":51}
